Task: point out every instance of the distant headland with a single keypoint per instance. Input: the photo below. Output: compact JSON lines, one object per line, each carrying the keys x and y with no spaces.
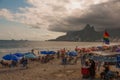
{"x":88,"y":34}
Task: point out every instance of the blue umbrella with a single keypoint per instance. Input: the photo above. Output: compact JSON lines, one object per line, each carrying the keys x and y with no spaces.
{"x":72,"y":53}
{"x":19,"y":54}
{"x":10,"y":57}
{"x":44,"y":52}
{"x":30,"y":55}
{"x":48,"y":52}
{"x":27,"y":53}
{"x":51,"y":52}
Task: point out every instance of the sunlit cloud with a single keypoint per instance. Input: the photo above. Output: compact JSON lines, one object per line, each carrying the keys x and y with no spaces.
{"x":43,"y":13}
{"x":6,"y":14}
{"x":64,"y":15}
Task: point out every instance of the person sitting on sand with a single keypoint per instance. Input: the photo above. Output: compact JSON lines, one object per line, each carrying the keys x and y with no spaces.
{"x":4,"y":64}
{"x":24,"y":62}
{"x":13,"y":63}
{"x":43,"y":59}
{"x":107,"y":73}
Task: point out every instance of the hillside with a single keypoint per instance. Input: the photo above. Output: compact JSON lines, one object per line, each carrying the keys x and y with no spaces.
{"x":89,"y":34}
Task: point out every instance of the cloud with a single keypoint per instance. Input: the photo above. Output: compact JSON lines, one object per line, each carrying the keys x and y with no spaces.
{"x":66,"y":15}
{"x":104,"y":15}
{"x":6,"y":14}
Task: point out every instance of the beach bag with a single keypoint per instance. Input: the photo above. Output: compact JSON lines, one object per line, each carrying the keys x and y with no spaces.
{"x":85,"y":71}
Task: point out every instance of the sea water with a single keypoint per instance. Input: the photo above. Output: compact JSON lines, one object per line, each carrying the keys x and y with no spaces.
{"x":7,"y":47}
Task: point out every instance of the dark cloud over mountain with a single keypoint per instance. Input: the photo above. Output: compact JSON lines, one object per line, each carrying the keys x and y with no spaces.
{"x":104,"y":15}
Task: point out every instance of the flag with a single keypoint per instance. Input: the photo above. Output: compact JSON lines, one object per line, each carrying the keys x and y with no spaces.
{"x":106,"y":38}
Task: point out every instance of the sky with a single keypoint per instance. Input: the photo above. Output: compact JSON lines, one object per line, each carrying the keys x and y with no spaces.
{"x":47,"y":19}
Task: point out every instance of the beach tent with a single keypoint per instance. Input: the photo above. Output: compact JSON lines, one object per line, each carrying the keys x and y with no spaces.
{"x":105,"y":56}
{"x":47,"y":52}
{"x":103,"y":53}
{"x":10,"y":57}
{"x":72,"y":53}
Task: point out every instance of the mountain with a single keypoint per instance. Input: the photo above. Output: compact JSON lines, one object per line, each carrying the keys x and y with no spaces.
{"x":89,"y":34}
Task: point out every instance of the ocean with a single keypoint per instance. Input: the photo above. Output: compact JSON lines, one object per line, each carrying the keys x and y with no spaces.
{"x":7,"y":47}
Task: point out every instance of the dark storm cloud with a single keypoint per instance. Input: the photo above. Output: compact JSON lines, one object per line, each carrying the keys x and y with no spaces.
{"x":105,"y":15}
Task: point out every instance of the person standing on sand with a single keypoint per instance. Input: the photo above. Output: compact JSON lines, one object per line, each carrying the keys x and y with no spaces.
{"x":76,"y":49}
{"x":92,"y":69}
{"x":58,"y":54}
{"x":83,"y":59}
{"x":85,"y":70}
{"x":98,"y":65}
{"x":76,"y":59}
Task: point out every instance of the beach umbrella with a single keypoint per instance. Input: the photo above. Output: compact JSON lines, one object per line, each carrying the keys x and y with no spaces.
{"x":10,"y":57}
{"x":51,"y":52}
{"x":44,"y":52}
{"x":27,"y":53}
{"x":30,"y":55}
{"x":19,"y":54}
{"x":72,"y":53}
{"x":48,"y":52}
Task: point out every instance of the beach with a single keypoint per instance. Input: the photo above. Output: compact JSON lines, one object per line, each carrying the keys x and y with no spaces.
{"x":48,"y":71}
{"x":52,"y":70}
{"x":38,"y":71}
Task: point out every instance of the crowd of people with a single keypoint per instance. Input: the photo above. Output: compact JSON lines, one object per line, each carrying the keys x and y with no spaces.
{"x":88,"y":68}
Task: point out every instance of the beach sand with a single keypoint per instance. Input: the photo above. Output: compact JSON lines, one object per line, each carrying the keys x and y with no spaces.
{"x":38,"y":71}
{"x":48,"y":71}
